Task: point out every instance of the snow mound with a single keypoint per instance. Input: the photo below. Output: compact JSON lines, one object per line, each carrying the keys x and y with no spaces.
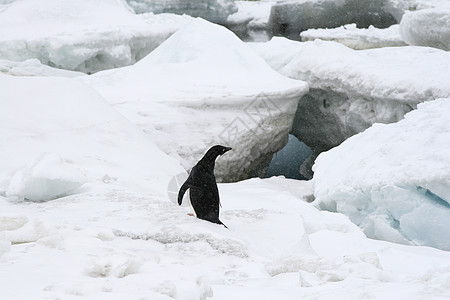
{"x":350,"y":90}
{"x":81,"y":35}
{"x":81,"y":133}
{"x":357,"y":38}
{"x":202,"y":87}
{"x":289,"y":18}
{"x":393,"y":180}
{"x":117,"y":266}
{"x":428,"y":27}
{"x":215,"y":11}
{"x":49,"y":178}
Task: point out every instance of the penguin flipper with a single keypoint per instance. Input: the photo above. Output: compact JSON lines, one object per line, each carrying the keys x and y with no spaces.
{"x":183,"y":190}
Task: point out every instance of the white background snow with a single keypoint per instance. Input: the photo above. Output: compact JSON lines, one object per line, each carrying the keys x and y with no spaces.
{"x":90,"y":164}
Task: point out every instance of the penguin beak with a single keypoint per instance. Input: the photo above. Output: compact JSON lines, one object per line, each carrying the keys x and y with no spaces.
{"x":226,"y":150}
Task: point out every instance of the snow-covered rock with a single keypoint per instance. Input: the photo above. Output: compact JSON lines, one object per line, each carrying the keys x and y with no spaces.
{"x":428,"y":27}
{"x":393,"y":180}
{"x":59,"y":133}
{"x":81,"y":35}
{"x":215,"y":11}
{"x":350,"y":90}
{"x":201,"y":87}
{"x":357,"y":38}
{"x":289,"y":18}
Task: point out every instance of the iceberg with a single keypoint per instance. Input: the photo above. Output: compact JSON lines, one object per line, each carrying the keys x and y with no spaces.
{"x":393,"y":180}
{"x":82,"y":35}
{"x":427,"y":27}
{"x":357,"y":38}
{"x":352,"y":89}
{"x":202,"y":87}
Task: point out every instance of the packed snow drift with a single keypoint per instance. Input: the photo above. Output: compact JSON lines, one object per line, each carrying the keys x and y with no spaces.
{"x":393,"y":180}
{"x":81,"y":35}
{"x":202,"y":87}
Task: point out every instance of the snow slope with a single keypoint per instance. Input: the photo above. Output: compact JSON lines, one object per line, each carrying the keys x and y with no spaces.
{"x":203,"y":87}
{"x":350,"y":90}
{"x":61,"y":134}
{"x":393,"y":180}
{"x":81,"y":35}
{"x":357,"y":38}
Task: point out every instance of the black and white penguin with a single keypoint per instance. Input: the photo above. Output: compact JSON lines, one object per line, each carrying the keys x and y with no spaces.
{"x":203,"y":187}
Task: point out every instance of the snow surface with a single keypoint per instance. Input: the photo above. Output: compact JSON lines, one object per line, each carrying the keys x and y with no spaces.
{"x":81,"y":35}
{"x":393,"y":180}
{"x":357,"y":38}
{"x":428,"y":27}
{"x":59,"y":131}
{"x":202,"y":87}
{"x":33,"y":67}
{"x":352,"y":89}
{"x":128,"y":245}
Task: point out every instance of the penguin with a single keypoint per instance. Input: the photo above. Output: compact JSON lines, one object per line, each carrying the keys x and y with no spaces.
{"x":203,"y":187}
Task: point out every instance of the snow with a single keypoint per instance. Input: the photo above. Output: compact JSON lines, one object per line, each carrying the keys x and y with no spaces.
{"x":202,"y":87}
{"x":215,"y":11}
{"x":393,"y":180}
{"x":81,"y":35}
{"x":58,"y":129}
{"x":357,"y":38}
{"x":87,"y":187}
{"x":352,"y":89}
{"x":427,"y":27}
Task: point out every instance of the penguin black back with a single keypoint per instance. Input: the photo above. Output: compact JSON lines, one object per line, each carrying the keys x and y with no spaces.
{"x":203,"y":187}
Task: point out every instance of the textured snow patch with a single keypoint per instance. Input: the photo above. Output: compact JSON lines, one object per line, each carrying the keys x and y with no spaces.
{"x":393,"y":180}
{"x":49,"y":178}
{"x":428,"y":27}
{"x":357,"y":38}
{"x":113,"y":266}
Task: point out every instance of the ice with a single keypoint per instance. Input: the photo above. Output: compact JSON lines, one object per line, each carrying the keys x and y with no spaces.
{"x":61,"y":133}
{"x":203,"y":87}
{"x":48,"y":178}
{"x":81,"y":35}
{"x":33,"y":67}
{"x":357,"y":38}
{"x":350,"y":90}
{"x":215,"y":11}
{"x":384,"y":179}
{"x":289,"y":18}
{"x":427,"y":27}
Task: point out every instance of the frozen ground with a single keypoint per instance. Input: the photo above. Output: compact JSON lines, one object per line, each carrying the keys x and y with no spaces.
{"x":120,"y":244}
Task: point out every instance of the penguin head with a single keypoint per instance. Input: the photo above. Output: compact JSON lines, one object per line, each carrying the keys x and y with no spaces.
{"x":214,"y":152}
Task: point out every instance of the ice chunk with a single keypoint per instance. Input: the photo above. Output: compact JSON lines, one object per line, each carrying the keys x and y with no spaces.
{"x":215,"y":11}
{"x":357,"y":38}
{"x":48,"y":178}
{"x":289,"y":18}
{"x":202,"y":87}
{"x":350,"y":90}
{"x":428,"y":27}
{"x":384,"y":178}
{"x":81,"y":35}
